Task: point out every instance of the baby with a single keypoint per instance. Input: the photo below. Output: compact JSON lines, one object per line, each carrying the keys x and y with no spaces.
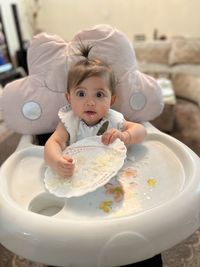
{"x":90,"y":93}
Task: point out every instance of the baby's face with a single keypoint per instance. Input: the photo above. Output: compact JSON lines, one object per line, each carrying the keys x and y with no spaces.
{"x":91,"y":99}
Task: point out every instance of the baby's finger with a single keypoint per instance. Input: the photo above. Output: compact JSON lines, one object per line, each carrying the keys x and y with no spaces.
{"x":68,"y":168}
{"x":68,"y":158}
{"x":66,"y":173}
{"x":105,"y":138}
{"x":113,"y":135}
{"x":107,"y":135}
{"x":116,"y":135}
{"x":67,"y":161}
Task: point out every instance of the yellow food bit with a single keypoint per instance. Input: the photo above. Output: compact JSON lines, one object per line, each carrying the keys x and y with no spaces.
{"x":152,"y":182}
{"x":106,"y":205}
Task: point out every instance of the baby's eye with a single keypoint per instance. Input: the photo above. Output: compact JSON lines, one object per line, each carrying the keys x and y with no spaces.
{"x":80,"y":93}
{"x":100,"y":94}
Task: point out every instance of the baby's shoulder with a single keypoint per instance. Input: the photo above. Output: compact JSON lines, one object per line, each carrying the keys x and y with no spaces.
{"x":116,"y":119}
{"x":114,"y":115}
{"x":66,"y":114}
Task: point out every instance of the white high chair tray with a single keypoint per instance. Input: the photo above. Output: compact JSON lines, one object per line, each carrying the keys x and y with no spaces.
{"x":154,"y":194}
{"x":95,"y":165}
{"x":153,"y":173}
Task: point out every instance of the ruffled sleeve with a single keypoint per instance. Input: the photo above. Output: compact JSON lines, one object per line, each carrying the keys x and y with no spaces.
{"x":63,"y":113}
{"x":116,"y":119}
{"x":70,"y":121}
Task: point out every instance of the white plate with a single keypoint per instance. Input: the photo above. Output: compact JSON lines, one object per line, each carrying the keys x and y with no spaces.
{"x":95,"y":165}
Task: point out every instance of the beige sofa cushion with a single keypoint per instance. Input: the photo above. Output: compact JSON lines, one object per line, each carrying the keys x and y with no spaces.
{"x":193,"y":69}
{"x":187,"y":86}
{"x":154,"y":69}
{"x":153,"y":51}
{"x":184,"y":51}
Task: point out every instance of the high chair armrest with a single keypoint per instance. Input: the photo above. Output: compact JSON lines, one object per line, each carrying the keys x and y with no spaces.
{"x":25,"y":141}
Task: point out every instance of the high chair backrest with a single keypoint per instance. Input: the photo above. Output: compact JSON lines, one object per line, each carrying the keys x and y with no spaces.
{"x":30,"y":104}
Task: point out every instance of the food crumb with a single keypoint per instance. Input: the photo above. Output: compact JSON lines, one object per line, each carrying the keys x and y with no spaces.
{"x":152,"y":182}
{"x":106,"y":206}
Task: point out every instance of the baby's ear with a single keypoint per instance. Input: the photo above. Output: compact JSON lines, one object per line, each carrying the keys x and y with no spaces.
{"x":67,"y":97}
{"x":113,"y":98}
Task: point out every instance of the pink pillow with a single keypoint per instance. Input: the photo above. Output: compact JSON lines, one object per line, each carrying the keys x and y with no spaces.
{"x":30,"y":105}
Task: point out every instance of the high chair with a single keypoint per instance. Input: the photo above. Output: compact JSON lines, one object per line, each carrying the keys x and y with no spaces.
{"x":160,"y":177}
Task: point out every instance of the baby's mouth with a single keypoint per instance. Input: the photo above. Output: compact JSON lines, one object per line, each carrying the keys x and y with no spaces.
{"x":90,"y":112}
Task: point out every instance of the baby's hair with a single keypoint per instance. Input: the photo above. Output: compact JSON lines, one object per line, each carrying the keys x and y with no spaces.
{"x":84,"y":49}
{"x":87,"y":68}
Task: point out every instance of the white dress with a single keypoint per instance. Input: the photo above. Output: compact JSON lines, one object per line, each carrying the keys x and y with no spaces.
{"x":78,"y":129}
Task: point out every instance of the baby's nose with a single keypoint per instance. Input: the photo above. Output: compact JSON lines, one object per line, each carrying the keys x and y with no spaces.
{"x":90,"y":101}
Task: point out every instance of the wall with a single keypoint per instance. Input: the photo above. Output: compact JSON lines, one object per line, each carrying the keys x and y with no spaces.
{"x":66,"y":17}
{"x":171,"y":17}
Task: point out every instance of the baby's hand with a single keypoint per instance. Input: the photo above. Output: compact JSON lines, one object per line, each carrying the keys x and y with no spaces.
{"x":65,"y":166}
{"x":111,"y":135}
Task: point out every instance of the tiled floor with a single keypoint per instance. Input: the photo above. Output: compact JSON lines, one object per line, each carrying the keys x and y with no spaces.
{"x":8,"y":259}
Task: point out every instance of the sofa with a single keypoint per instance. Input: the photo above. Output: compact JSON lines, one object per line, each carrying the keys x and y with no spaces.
{"x":177,"y":60}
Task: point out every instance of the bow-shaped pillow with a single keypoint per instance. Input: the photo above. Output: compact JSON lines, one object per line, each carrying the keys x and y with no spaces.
{"x":30,"y":104}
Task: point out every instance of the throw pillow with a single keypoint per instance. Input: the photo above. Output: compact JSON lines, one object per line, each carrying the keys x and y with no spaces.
{"x":184,"y":50}
{"x":152,"y":52}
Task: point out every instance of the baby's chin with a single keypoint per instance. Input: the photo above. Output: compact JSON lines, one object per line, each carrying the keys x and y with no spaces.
{"x":91,"y":118}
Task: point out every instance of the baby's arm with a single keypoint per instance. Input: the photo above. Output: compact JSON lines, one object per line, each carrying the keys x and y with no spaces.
{"x":133,"y":133}
{"x":53,"y":156}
